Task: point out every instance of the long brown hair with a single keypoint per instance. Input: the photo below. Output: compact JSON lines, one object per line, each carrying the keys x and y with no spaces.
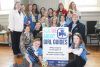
{"x":81,"y":40}
{"x":27,"y":9}
{"x":59,"y":6}
{"x":79,"y":35}
{"x":70,"y":7}
{"x":36,"y":10}
{"x":52,"y":20}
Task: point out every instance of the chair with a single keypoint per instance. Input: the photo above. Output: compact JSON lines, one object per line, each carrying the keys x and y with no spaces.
{"x":91,"y":32}
{"x":4,"y":35}
{"x":98,"y":35}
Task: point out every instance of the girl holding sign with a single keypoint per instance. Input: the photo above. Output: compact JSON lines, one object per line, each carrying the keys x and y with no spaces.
{"x":34,"y":54}
{"x":79,"y":51}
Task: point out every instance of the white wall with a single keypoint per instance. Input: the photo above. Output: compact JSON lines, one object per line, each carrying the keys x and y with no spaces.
{"x":54,"y":3}
{"x":47,"y":3}
{"x":98,"y":3}
{"x":43,"y":3}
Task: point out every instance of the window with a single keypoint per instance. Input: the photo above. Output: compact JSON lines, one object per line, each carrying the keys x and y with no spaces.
{"x":6,"y":4}
{"x":86,"y":2}
{"x":80,"y":3}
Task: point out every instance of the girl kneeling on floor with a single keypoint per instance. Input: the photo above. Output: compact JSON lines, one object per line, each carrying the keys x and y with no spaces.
{"x":34,"y":54}
{"x":79,"y":51}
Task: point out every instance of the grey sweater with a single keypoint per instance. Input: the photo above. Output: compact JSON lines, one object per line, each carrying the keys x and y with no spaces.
{"x":25,"y":40}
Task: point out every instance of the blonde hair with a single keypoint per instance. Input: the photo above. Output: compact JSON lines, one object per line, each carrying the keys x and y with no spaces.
{"x":70,"y":7}
{"x":16,"y":4}
{"x":53,"y":19}
{"x":27,"y":9}
{"x":36,"y":39}
{"x":75,"y":14}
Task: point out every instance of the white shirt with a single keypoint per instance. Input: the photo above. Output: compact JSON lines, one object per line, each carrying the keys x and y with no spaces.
{"x":16,"y":21}
{"x":35,"y":50}
{"x":62,"y":24}
{"x":77,"y":51}
{"x":73,"y":26}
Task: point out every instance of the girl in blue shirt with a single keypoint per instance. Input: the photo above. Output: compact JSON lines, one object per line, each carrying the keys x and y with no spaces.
{"x":62,"y":22}
{"x":34,"y":53}
{"x":29,"y":19}
{"x":79,"y":51}
{"x":68,"y":18}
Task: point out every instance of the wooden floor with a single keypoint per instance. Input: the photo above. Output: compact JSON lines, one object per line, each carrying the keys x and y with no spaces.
{"x":6,"y":57}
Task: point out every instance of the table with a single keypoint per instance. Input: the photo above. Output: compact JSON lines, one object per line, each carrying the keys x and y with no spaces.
{"x":5,"y":37}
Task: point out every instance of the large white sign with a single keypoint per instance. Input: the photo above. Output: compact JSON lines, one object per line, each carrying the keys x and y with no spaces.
{"x":55,"y":46}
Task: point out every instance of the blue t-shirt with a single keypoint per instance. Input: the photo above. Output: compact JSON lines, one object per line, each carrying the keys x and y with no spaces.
{"x":32,"y":24}
{"x":68,"y":21}
{"x":84,"y":53}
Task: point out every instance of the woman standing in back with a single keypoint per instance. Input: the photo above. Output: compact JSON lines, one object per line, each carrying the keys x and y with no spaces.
{"x":30,"y":18}
{"x":35,"y":11}
{"x":73,"y":9}
{"x":61,"y":11}
{"x":16,"y":25}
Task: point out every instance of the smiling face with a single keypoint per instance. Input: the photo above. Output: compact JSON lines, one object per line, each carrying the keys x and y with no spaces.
{"x":46,"y":14}
{"x":34,"y":7}
{"x":62,"y":18}
{"x":42,"y":20}
{"x":27,"y":29}
{"x":38,"y":25}
{"x":17,"y":6}
{"x":30,"y":7}
{"x":54,"y":13}
{"x":61,"y":6}
{"x":76,"y":40}
{"x":54,"y":20}
{"x":42,"y":10}
{"x":50,"y":11}
{"x":73,"y":6}
{"x":22,"y":7}
{"x":69,"y":15}
{"x":75,"y":18}
{"x":36,"y":44}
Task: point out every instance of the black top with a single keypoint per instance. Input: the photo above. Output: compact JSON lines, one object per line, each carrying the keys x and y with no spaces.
{"x":36,"y":33}
{"x":79,"y":28}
